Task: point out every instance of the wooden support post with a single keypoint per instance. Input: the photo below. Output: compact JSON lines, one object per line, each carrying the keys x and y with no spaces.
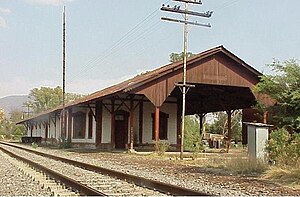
{"x":31,"y":130}
{"x":55,"y":130}
{"x":179,"y":106}
{"x":141,"y":120}
{"x":112,"y":124}
{"x":131,"y":124}
{"x":156,"y":131}
{"x":229,"y":112}
{"x":201,"y":116}
{"x":98,"y":123}
{"x":266,"y":114}
{"x":69,"y":124}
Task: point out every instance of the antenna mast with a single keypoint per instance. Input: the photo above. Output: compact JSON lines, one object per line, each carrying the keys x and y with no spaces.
{"x":184,"y":86}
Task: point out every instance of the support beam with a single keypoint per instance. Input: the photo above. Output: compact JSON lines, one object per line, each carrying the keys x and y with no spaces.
{"x":266,"y":117}
{"x":201,"y":116}
{"x":98,"y":123}
{"x":141,"y":120}
{"x":69,"y":124}
{"x":156,"y":131}
{"x":112,"y":124}
{"x":131,"y":122}
{"x":179,"y":106}
{"x":229,"y":113}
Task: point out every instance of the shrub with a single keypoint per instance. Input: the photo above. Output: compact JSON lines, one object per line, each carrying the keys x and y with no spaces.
{"x":34,"y":145}
{"x":283,"y":147}
{"x":64,"y":143}
{"x":161,"y":147}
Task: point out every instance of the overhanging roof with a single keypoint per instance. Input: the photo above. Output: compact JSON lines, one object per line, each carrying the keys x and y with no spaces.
{"x":142,"y":79}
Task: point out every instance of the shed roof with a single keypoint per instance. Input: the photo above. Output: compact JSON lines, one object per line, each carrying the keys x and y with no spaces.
{"x":141,"y":79}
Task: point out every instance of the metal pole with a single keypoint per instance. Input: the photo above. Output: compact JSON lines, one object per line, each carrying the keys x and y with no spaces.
{"x":184,"y":80}
{"x":63,"y":133}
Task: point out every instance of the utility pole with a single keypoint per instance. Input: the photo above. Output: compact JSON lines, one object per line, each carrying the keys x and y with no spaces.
{"x":185,"y":87}
{"x":63,"y":118}
{"x":28,"y":112}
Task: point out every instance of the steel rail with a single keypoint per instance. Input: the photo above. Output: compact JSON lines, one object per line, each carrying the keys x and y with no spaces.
{"x":83,"y":189}
{"x":140,"y":181}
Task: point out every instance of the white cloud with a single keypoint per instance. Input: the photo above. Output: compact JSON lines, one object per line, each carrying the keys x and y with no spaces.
{"x":2,"y":22}
{"x":5,"y":10}
{"x":49,"y":2}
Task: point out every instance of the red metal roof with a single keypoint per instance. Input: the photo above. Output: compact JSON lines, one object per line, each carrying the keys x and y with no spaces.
{"x":144,"y":78}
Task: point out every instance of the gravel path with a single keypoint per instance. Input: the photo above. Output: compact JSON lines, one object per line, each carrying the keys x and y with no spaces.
{"x":176,"y":172}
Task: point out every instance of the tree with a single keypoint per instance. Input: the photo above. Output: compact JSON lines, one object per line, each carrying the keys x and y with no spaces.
{"x":16,"y":116}
{"x":284,"y":87}
{"x":220,"y":125}
{"x":2,"y":114}
{"x":45,"y":98}
{"x":175,"y":57}
{"x":192,"y":138}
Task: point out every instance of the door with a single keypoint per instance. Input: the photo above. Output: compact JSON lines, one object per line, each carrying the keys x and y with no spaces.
{"x":121,"y":129}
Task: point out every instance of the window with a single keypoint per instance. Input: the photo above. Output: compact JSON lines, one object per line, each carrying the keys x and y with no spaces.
{"x":79,"y":125}
{"x":90,"y":134}
{"x":163,"y":126}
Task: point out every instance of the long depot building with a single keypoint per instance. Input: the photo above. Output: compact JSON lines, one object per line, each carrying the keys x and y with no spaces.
{"x":147,"y":107}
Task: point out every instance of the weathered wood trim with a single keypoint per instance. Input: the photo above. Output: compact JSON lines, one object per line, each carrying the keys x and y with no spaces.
{"x":178,"y":138}
{"x":91,"y":110}
{"x":112,"y":138}
{"x":131,"y":124}
{"x":141,"y":120}
{"x":99,"y":115}
{"x":69,"y":123}
{"x":156,"y":123}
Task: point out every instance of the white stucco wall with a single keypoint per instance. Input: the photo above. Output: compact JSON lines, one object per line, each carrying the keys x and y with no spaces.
{"x":106,"y":124}
{"x":85,"y":139}
{"x":169,"y":108}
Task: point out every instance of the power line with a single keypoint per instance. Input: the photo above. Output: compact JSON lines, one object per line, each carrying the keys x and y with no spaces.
{"x":93,"y":62}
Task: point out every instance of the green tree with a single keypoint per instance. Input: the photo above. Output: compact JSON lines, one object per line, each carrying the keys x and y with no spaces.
{"x":2,"y":114}
{"x":45,"y":98}
{"x":175,"y":57}
{"x":16,"y":115}
{"x":284,"y":148}
{"x":192,"y":138}
{"x":284,"y":87}
{"x":220,"y":125}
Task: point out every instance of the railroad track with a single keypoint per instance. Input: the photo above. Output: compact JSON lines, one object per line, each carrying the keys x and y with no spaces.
{"x":88,"y":179}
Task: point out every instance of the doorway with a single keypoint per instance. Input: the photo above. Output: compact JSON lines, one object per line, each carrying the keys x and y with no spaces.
{"x":121,"y":129}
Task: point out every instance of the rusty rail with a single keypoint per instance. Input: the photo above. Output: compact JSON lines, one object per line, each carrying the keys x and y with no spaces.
{"x":140,"y":181}
{"x":83,"y":189}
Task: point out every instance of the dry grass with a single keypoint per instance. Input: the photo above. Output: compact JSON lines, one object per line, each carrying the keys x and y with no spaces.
{"x":245,"y":166}
{"x":287,"y":176}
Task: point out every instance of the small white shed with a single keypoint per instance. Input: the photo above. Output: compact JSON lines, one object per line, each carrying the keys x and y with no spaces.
{"x":258,"y":135}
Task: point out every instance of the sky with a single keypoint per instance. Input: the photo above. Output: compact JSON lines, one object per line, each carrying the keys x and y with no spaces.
{"x":110,"y":41}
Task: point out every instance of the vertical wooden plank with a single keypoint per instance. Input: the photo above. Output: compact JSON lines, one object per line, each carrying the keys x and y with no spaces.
{"x":141,"y":120}
{"x":229,"y":130}
{"x":69,"y":123}
{"x":112,"y":140}
{"x":179,"y":106}
{"x":266,"y":114}
{"x":131,"y":124}
{"x":98,"y":123}
{"x":201,"y":116}
{"x":229,"y":124}
{"x":156,"y":131}
{"x":31,"y":130}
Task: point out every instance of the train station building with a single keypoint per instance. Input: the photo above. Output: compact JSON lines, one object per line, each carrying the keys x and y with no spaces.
{"x":147,"y":108}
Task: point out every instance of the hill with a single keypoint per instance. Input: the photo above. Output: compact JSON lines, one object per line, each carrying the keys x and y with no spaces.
{"x":10,"y":103}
